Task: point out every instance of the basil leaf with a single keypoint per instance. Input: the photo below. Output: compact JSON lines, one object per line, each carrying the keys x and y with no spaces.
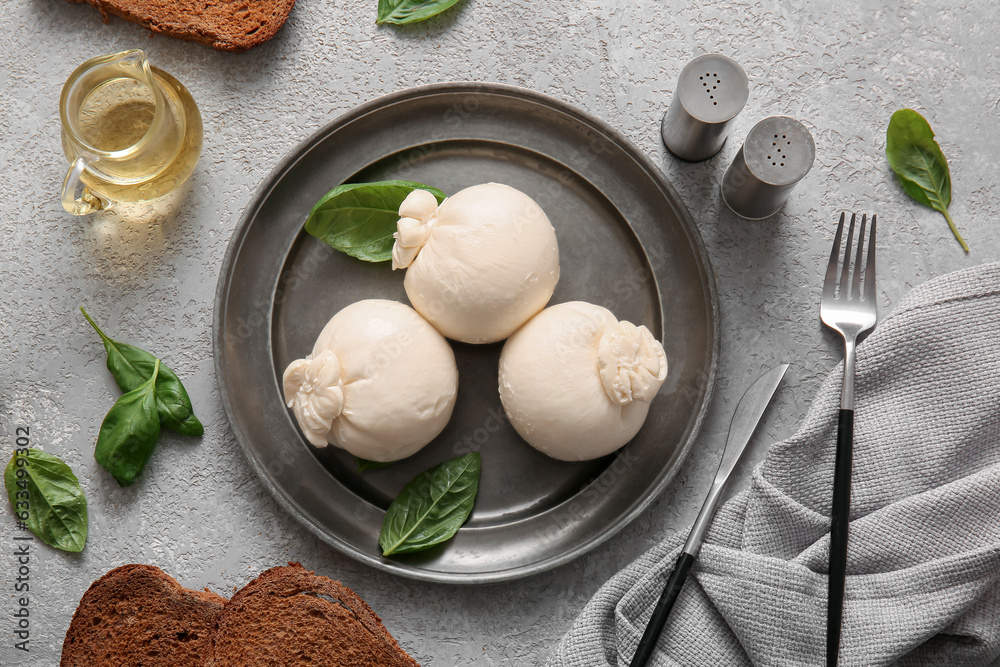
{"x":365,"y":464}
{"x":132,"y":366}
{"x":360,"y":218}
{"x":432,"y":507}
{"x":46,"y":496}
{"x":129,"y":432}
{"x":919,"y":163}
{"x":401,"y":12}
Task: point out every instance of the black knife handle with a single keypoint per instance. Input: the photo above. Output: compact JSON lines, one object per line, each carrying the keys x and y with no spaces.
{"x":662,"y":610}
{"x":840,"y":519}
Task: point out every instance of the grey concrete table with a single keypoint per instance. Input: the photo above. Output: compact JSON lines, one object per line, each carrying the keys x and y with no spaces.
{"x":198,"y":511}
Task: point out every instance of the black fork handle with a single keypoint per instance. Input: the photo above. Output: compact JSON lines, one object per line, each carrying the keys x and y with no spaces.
{"x":840,"y":515}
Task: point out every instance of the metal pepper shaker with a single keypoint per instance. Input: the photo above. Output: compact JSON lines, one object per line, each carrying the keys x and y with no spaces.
{"x":777,"y":154}
{"x":711,"y":91}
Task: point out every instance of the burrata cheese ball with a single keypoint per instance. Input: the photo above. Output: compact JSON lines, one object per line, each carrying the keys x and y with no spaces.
{"x":380,"y":382}
{"x":479,"y":265}
{"x":576,"y":383}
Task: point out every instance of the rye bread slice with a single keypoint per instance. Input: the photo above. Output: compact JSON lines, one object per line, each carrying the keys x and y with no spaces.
{"x":226,"y":25}
{"x":290,"y":616}
{"x":138,"y":615}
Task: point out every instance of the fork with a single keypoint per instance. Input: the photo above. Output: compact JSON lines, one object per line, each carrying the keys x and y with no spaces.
{"x":847,"y":307}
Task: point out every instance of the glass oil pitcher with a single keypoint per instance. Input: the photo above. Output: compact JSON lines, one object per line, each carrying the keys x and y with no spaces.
{"x":131,"y":133}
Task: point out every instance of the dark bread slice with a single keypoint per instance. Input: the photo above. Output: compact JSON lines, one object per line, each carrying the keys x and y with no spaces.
{"x":290,"y":616}
{"x":137,"y":615}
{"x":226,"y":25}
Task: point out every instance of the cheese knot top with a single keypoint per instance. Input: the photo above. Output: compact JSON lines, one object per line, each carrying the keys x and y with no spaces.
{"x":416,"y":217}
{"x":314,"y":392}
{"x":632,"y":363}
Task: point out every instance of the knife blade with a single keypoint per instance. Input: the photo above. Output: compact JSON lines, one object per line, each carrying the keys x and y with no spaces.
{"x":745,"y":419}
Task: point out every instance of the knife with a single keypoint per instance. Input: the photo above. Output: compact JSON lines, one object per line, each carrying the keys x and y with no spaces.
{"x":748,"y":413}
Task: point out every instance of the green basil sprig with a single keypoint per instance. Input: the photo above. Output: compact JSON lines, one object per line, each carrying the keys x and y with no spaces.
{"x":360,"y":218}
{"x":153,"y":395}
{"x":132,"y":367}
{"x":432,"y":507}
{"x":410,"y":11}
{"x":46,"y":496}
{"x":129,"y":432}
{"x":919,"y":163}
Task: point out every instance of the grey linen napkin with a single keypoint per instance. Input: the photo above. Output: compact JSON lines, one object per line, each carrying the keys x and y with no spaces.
{"x":923,"y":585}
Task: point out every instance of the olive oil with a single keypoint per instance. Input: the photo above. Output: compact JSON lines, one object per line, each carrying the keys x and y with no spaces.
{"x":117,"y":114}
{"x":158,"y":152}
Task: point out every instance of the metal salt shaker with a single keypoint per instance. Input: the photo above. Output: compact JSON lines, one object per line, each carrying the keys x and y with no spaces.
{"x":711,"y":91}
{"x":777,"y":154}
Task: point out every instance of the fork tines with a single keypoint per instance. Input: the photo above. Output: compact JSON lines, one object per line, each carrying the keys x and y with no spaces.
{"x":862,"y":272}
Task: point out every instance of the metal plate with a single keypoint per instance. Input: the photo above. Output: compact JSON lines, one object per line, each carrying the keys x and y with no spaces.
{"x":625,"y":241}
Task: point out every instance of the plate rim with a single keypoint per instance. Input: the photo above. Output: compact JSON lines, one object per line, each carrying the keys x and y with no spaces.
{"x":271,"y":181}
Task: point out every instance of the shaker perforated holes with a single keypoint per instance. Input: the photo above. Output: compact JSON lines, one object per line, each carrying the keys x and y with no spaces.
{"x":705,"y":83}
{"x":779,"y":151}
